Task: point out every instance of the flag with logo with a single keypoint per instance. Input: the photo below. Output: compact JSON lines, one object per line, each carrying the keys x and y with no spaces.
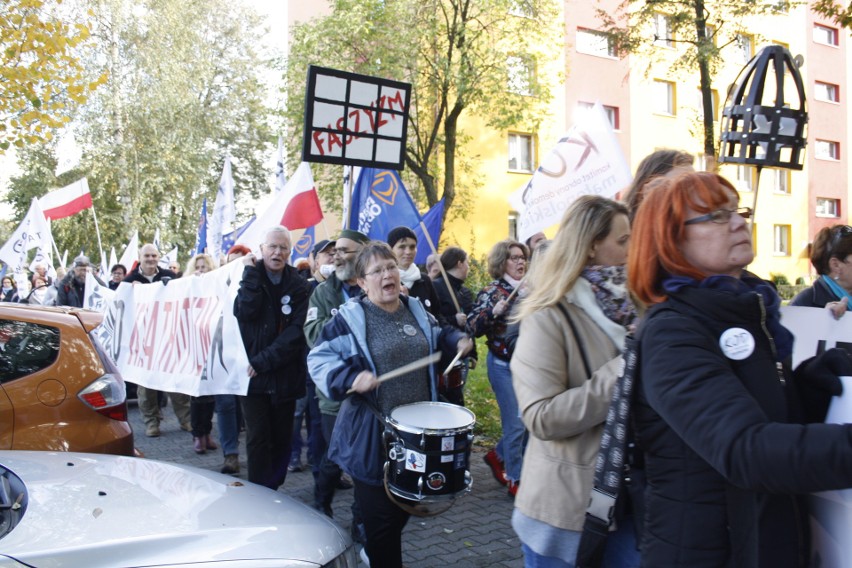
{"x":433,"y":220}
{"x":229,"y":239}
{"x":586,"y":161}
{"x":30,"y":234}
{"x":280,"y":179}
{"x":380,"y":202}
{"x":224,"y":213}
{"x":201,"y":234}
{"x":305,"y":244}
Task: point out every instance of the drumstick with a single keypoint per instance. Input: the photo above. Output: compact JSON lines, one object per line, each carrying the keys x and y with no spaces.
{"x":515,"y":291}
{"x":441,"y":267}
{"x":413,"y":366}
{"x":453,"y":362}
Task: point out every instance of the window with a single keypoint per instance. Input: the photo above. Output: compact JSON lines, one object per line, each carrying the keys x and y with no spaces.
{"x":521,"y":152}
{"x":780,"y":180}
{"x":591,"y":42}
{"x":664,"y":97}
{"x":827,"y":150}
{"x":611,"y":113}
{"x":745,"y":46}
{"x":663,"y":30}
{"x":745,"y":178}
{"x":26,"y":348}
{"x":521,"y":75}
{"x":513,"y":225}
{"x":825,"y":35}
{"x":826,"y":92}
{"x":522,"y":8}
{"x":699,"y":103}
{"x":781,"y":241}
{"x":827,"y":207}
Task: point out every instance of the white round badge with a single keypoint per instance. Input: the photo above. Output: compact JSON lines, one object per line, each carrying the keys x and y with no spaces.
{"x":737,"y":343}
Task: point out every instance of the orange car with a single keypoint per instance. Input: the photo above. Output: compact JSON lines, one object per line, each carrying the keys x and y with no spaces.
{"x":59,"y":390}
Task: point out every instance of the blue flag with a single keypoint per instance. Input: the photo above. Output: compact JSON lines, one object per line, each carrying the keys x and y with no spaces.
{"x":201,"y":235}
{"x":380,"y":202}
{"x":229,"y":239}
{"x":433,"y":219}
{"x":304,"y":245}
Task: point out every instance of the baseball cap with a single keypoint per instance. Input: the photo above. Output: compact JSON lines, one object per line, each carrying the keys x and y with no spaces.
{"x":322,"y":245}
{"x":81,"y":260}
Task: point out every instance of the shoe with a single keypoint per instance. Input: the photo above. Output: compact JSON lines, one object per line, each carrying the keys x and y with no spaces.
{"x":152,"y":430}
{"x":513,"y":488}
{"x":343,"y":482}
{"x":198,"y":445}
{"x":498,"y":469}
{"x":295,"y":466}
{"x":209,"y":443}
{"x":364,"y":558}
{"x":186,"y":427}
{"x":232,"y":464}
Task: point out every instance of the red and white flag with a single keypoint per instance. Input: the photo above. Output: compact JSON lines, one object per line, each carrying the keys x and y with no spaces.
{"x":296,"y":206}
{"x":67,"y":201}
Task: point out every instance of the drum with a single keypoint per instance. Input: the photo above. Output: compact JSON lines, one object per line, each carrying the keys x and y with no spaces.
{"x":428,"y":453}
{"x":454,"y":379}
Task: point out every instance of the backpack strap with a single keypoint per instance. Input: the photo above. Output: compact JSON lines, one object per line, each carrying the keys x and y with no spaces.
{"x":578,"y":338}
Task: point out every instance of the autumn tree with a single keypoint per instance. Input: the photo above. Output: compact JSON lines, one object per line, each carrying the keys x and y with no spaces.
{"x":41,"y":76}
{"x":839,"y":14}
{"x":701,"y":30}
{"x":186,"y":88}
{"x":479,"y":58}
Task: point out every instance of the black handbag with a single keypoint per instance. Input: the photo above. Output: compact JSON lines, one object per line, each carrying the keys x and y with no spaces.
{"x":613,"y":471}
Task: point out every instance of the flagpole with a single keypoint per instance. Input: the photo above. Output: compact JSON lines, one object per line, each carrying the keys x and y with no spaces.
{"x":97,"y":231}
{"x":441,"y":266}
{"x":351,"y":183}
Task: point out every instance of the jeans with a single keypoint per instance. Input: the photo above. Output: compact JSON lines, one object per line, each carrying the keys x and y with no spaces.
{"x":298,"y":442}
{"x":328,"y":473}
{"x":510,"y":448}
{"x":621,"y":550}
{"x":269,"y":433}
{"x":229,"y":423}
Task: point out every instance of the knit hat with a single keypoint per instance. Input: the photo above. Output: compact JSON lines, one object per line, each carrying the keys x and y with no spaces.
{"x":400,"y":233}
{"x":356,"y":236}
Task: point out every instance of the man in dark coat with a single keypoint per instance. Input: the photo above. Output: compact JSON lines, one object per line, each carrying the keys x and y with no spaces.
{"x":270,"y":307}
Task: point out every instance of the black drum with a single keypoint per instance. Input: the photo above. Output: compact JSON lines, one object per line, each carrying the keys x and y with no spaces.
{"x":454,"y":379}
{"x":428,"y":455}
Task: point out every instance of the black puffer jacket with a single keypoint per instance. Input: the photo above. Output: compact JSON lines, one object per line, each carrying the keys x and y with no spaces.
{"x":274,"y":341}
{"x":725,"y":466}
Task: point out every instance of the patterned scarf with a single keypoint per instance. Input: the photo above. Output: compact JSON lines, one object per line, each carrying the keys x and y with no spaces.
{"x":609,"y":283}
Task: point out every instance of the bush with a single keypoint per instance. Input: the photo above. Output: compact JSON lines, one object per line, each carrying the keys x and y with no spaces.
{"x":779,"y":279}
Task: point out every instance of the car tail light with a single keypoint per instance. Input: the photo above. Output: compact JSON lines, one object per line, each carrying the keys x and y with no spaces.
{"x":106,"y":395}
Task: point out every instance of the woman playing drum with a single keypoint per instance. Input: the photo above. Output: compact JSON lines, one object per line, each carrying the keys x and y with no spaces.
{"x":368,"y":337}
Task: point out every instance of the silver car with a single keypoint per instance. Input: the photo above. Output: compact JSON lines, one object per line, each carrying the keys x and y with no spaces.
{"x":94,"y":511}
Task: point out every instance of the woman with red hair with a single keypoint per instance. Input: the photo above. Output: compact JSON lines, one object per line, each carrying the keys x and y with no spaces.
{"x":730,"y":434}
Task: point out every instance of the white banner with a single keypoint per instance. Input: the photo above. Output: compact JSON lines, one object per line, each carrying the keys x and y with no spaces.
{"x":831,"y":511}
{"x":182,"y":337}
{"x":97,"y":297}
{"x":587,"y":161}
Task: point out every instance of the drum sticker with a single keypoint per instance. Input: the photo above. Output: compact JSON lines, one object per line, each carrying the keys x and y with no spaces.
{"x":448,"y":444}
{"x":415,"y":461}
{"x":436,"y":481}
{"x":446,"y":458}
{"x":461,"y":461}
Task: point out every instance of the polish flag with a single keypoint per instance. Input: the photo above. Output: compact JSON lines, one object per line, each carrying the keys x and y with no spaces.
{"x":296,"y":206}
{"x":67,"y":201}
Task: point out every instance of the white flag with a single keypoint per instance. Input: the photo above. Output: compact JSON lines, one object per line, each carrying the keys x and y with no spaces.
{"x":29,"y":235}
{"x":97,"y":296}
{"x":280,"y":178}
{"x":224,"y":214}
{"x":113,"y":259}
{"x":131,"y":253}
{"x":156,"y":242}
{"x":167,"y":259}
{"x":64,"y":259}
{"x":586,"y":161}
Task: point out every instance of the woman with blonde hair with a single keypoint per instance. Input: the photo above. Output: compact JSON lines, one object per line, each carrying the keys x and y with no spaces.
{"x":507,"y":264}
{"x":566,"y":362}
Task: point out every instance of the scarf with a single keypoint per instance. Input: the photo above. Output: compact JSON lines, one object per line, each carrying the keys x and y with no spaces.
{"x":747,"y":284}
{"x":836,"y":288}
{"x":609,"y":283}
{"x":409,"y":276}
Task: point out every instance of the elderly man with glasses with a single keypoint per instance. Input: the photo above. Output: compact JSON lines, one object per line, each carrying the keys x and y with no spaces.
{"x":270,"y":307}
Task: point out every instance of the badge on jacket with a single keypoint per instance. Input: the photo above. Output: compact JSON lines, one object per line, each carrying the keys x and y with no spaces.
{"x":736,"y":343}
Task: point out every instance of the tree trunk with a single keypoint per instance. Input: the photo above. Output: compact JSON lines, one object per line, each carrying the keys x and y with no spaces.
{"x":450,"y":144}
{"x":124,"y":197}
{"x":705,"y":85}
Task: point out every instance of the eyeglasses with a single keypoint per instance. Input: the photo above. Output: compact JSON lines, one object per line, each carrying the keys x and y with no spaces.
{"x":517,"y":258}
{"x":390,"y":269}
{"x":276,"y":248}
{"x":720,"y":216}
{"x":839,"y":233}
{"x":342,"y":252}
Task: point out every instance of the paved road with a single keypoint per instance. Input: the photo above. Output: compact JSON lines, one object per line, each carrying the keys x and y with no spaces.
{"x":475,"y":532}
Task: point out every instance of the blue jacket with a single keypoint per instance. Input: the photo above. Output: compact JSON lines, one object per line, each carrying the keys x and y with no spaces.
{"x":337,"y":358}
